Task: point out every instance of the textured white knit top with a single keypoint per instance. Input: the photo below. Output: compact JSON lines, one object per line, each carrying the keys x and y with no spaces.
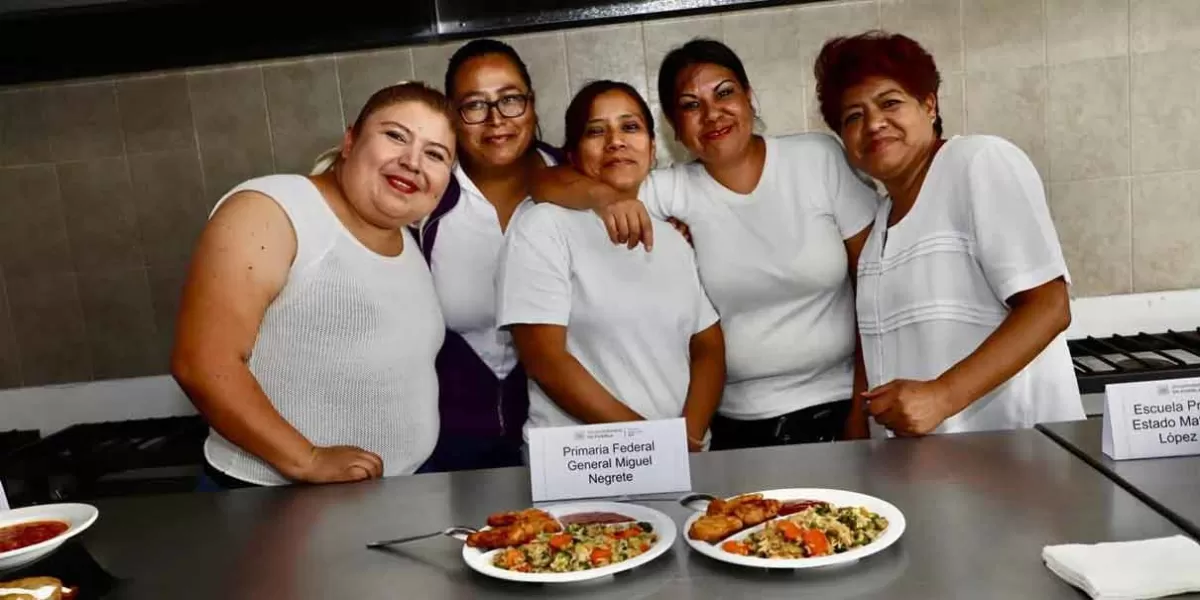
{"x":346,"y":350}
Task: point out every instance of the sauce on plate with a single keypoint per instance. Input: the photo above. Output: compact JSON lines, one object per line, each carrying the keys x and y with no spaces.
{"x":21,"y":535}
{"x":597,"y":518}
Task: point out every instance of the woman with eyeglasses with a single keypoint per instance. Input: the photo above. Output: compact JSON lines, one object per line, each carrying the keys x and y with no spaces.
{"x":483,"y":395}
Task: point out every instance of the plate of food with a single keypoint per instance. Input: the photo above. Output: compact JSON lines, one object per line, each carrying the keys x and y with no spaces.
{"x":568,"y":542}
{"x":29,"y":533}
{"x":796,"y":528}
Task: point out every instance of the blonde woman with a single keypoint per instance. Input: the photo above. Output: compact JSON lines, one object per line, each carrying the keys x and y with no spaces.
{"x":309,"y":323}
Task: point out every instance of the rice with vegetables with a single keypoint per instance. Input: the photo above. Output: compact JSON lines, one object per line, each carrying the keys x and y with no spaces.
{"x":579,"y":547}
{"x":820,"y":530}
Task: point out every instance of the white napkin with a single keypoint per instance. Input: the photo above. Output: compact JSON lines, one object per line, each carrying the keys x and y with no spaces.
{"x":1152,"y":568}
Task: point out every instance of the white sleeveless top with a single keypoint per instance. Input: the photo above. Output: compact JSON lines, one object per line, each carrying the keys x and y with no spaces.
{"x":346,"y":351}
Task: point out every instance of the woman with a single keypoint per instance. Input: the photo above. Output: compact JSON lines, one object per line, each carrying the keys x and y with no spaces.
{"x":773,"y":220}
{"x":309,"y":323}
{"x":484,"y":397}
{"x":608,"y":335}
{"x":962,"y":286}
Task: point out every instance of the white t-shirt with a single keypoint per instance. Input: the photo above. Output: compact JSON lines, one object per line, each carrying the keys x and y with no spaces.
{"x":630,"y":315}
{"x":774,"y":264}
{"x":465,"y":257}
{"x":933,"y":287}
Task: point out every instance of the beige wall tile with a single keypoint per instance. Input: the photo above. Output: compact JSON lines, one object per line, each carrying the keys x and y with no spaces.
{"x":615,"y":52}
{"x":768,"y":42}
{"x":781,"y":107}
{"x":83,"y":122}
{"x":1166,"y":111}
{"x":1158,"y":25}
{"x":10,"y":356}
{"x":305,"y":112}
{"x":1012,"y":105}
{"x":544,"y":55}
{"x":1087,"y":131}
{"x":429,"y":62}
{"x":1165,"y":244}
{"x":172,"y":208}
{"x":1086,"y":29}
{"x":364,"y":73}
{"x":119,"y":319}
{"x":156,"y":114}
{"x":663,"y":36}
{"x":935,"y":24}
{"x":818,"y":23}
{"x":23,"y":128}
{"x":669,"y":149}
{"x":953,"y":104}
{"x":33,"y":232}
{"x":101,"y":219}
{"x":1093,"y":223}
{"x":47,"y":320}
{"x":230,"y":110}
{"x":1003,"y":34}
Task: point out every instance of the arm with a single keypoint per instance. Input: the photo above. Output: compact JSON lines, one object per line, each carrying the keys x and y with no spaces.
{"x":707,"y":382}
{"x":1038,"y":315}
{"x":567,"y":187}
{"x":241,"y":262}
{"x":543,"y":352}
{"x":626,"y":219}
{"x":856,"y":421}
{"x":918,"y":407}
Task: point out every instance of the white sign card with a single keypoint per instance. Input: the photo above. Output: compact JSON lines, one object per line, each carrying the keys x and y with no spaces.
{"x":609,"y":459}
{"x":1151,"y":419}
{"x":3,"y":498}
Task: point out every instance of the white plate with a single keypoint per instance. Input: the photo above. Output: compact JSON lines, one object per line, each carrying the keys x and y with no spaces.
{"x":663,"y":526}
{"x":77,"y":516}
{"x":895,"y":529}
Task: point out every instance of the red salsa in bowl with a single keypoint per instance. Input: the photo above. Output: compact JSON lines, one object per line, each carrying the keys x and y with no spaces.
{"x":23,"y":535}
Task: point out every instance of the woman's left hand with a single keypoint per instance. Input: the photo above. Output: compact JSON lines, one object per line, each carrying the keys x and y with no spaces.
{"x":910,"y":408}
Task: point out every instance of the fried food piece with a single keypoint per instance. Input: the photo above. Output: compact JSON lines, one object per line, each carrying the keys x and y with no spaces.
{"x":720,"y":506}
{"x":517,"y":528}
{"x":32,"y":588}
{"x":754,"y":512}
{"x":714,"y":528}
{"x":511,"y":517}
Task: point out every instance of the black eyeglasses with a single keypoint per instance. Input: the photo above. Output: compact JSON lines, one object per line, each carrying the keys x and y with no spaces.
{"x":511,"y":106}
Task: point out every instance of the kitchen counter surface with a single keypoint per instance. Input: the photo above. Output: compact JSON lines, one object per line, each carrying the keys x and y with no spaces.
{"x":979,"y":509}
{"x":1170,"y":485}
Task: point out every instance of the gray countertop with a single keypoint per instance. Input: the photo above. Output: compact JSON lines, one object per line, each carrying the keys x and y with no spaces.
{"x":1170,"y":485}
{"x":979,"y":507}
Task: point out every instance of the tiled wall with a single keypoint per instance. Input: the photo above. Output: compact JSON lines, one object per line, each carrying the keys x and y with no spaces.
{"x":105,"y":184}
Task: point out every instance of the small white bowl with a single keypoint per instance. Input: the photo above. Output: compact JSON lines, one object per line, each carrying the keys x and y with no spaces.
{"x":77,"y":516}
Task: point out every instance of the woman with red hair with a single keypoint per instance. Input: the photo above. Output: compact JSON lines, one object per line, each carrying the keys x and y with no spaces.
{"x":962,"y":289}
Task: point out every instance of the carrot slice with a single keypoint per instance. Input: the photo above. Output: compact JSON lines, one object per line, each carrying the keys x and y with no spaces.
{"x":601,"y":554}
{"x":733,"y":547}
{"x":791,"y":531}
{"x":816,"y":542}
{"x":560,"y":541}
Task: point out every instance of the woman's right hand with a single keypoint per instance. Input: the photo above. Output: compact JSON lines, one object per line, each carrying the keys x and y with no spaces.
{"x":334,"y":464}
{"x":628,"y":222}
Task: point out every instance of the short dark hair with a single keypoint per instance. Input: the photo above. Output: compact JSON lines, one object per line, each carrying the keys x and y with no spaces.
{"x":581,"y":107}
{"x":483,"y":47}
{"x":698,"y":51}
{"x":847,"y":61}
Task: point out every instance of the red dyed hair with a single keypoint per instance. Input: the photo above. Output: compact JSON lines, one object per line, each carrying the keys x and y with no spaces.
{"x":845,"y":62}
